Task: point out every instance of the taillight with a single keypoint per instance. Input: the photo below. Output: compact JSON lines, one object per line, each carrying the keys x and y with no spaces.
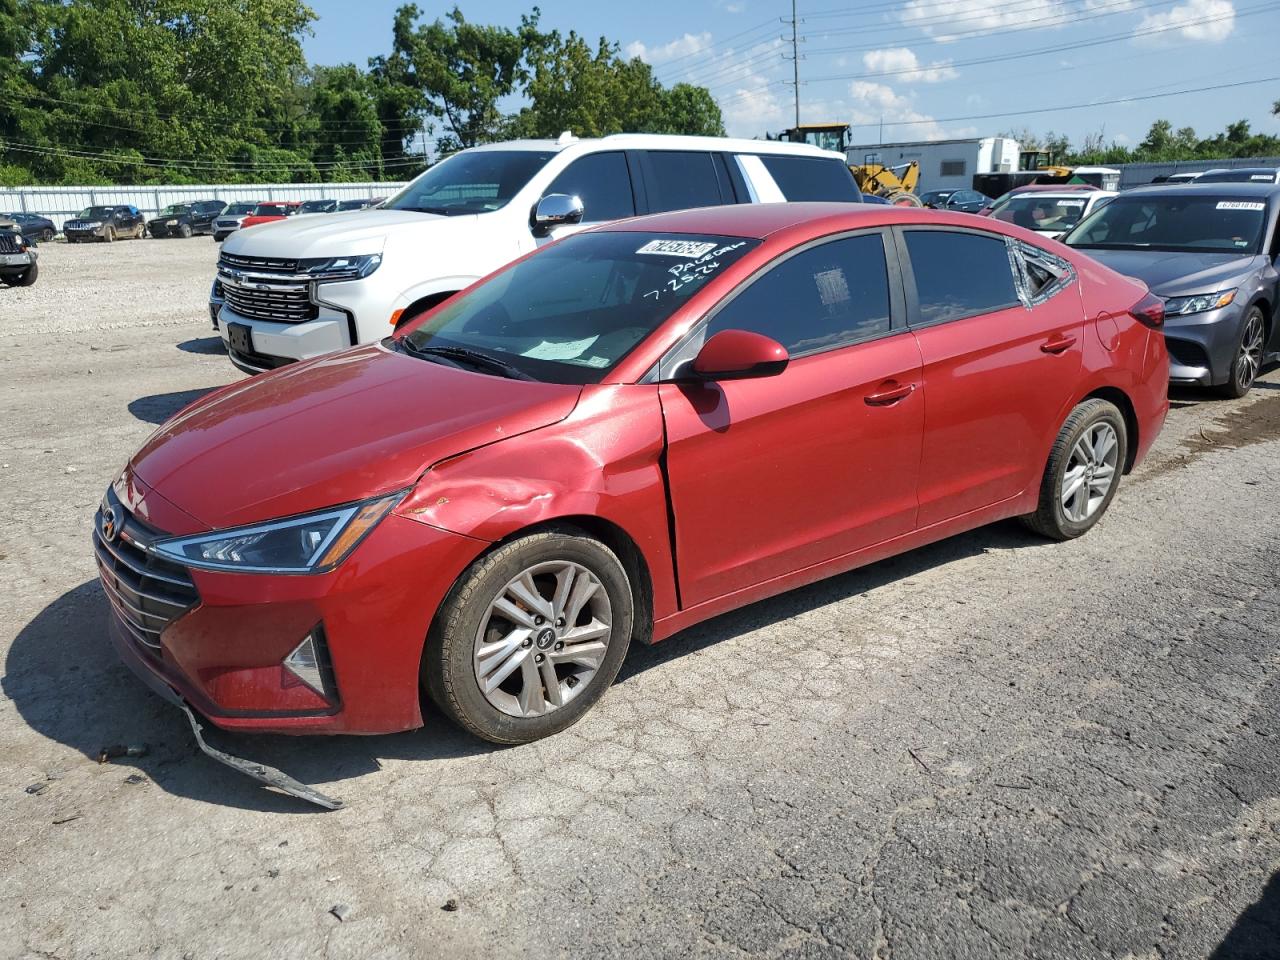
{"x":1149,"y":311}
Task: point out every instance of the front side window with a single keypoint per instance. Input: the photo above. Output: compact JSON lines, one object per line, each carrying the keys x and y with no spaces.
{"x":95,"y":213}
{"x":681,"y":180}
{"x":316,"y":206}
{"x":603,"y":184}
{"x":959,"y":274}
{"x":474,"y":181}
{"x":570,"y":313}
{"x":238,"y":209}
{"x":823,"y":297}
{"x":1184,"y":224}
{"x":810,"y":178}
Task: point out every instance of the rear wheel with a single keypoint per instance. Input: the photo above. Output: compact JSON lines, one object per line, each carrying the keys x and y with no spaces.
{"x":530,"y":637}
{"x":1249,"y":353}
{"x":109,"y":235}
{"x":1083,"y":472}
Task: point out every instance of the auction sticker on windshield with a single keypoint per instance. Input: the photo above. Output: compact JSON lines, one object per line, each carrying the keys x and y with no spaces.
{"x":677,"y":248}
{"x":1241,"y":205}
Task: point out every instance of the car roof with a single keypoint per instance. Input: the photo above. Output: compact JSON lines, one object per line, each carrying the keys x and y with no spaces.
{"x":758,"y":221}
{"x":1196,"y":188}
{"x":664,"y":141}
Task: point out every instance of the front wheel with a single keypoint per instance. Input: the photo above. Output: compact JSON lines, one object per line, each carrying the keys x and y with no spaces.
{"x":184,"y":231}
{"x":1083,"y":472}
{"x":530,"y":637}
{"x":1249,"y":353}
{"x":109,"y":235}
{"x":29,"y":278}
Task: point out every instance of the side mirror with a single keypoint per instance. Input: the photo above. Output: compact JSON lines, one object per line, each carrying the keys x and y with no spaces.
{"x":556,"y":210}
{"x":739,"y":355}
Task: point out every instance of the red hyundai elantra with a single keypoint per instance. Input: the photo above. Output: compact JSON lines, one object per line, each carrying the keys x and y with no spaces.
{"x":633,"y":429}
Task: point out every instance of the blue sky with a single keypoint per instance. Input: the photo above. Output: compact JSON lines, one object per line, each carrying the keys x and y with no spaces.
{"x":914,"y":63}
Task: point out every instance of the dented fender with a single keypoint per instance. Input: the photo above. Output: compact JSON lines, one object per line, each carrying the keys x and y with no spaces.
{"x":603,"y":461}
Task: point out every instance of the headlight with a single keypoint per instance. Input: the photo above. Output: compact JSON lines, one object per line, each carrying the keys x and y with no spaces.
{"x":340,"y":268}
{"x":1197,"y":303}
{"x":171,"y":223}
{"x":311,"y":543}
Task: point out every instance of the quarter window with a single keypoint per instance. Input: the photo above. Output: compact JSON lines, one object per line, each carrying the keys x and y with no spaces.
{"x":602,"y":182}
{"x":806,"y":178}
{"x":820,"y":298}
{"x":959,"y":274}
{"x":679,"y":180}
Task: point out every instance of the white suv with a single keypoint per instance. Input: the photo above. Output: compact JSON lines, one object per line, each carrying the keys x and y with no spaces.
{"x":306,"y":286}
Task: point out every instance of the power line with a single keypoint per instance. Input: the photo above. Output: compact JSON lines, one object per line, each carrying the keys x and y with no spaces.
{"x":225,"y":166}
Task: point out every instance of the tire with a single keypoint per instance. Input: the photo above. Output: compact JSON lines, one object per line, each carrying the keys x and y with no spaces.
{"x":109,"y":235}
{"x":449,"y":663}
{"x":1250,"y":350}
{"x":1053,"y":518}
{"x":184,"y":231}
{"x":28,"y":278}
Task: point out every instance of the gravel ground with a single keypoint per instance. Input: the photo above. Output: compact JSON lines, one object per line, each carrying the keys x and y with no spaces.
{"x":991,"y":747}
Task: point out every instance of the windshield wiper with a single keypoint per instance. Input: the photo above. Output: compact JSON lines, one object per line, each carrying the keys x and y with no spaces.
{"x":473,"y":357}
{"x":442,"y":211}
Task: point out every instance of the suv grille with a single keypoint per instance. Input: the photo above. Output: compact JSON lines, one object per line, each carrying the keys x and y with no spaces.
{"x":8,"y":241}
{"x":146,"y":593}
{"x":265,"y":288}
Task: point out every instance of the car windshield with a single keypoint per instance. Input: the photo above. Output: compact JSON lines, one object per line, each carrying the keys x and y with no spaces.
{"x":936,"y":196}
{"x":353,"y":204}
{"x":315,"y":206}
{"x":471,"y":182}
{"x":174,"y":208}
{"x":1038,"y":212}
{"x":238,"y":209}
{"x":270,"y":210}
{"x":1179,"y":223}
{"x":570,"y":313}
{"x":95,"y":213}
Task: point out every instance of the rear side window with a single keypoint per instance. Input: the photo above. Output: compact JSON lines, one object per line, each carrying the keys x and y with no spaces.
{"x":808,"y":178}
{"x":821,"y":298}
{"x":602,"y":182}
{"x":679,"y":180}
{"x":959,"y":274}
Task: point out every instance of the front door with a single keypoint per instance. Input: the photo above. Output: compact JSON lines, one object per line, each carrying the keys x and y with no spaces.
{"x":772,"y":475}
{"x":998,"y":369}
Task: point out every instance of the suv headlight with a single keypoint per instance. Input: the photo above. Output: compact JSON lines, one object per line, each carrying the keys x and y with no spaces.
{"x":310,"y":543}
{"x":1197,"y":303}
{"x":340,"y":268}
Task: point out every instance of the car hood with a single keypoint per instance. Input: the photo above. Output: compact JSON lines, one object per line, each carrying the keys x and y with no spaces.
{"x":1178,"y":274}
{"x":332,"y":430}
{"x":335,"y":234}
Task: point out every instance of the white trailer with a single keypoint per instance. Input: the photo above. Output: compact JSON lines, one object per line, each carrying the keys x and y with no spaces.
{"x":944,"y":164}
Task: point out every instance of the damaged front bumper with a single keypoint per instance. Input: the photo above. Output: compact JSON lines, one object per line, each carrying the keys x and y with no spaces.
{"x":258,"y":771}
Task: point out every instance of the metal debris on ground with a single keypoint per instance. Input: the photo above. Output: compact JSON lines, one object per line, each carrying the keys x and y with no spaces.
{"x":135,"y":778}
{"x":450,"y":905}
{"x":341,"y":911}
{"x":37,"y":788}
{"x":120,"y":750}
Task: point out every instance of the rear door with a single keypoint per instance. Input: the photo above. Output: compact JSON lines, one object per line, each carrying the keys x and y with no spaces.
{"x":769,"y":476}
{"x":1000,"y":364}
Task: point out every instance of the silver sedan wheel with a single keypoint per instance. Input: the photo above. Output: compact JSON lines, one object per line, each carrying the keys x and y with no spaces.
{"x":543,"y":638}
{"x":1249,"y":362}
{"x":1090,"y":472}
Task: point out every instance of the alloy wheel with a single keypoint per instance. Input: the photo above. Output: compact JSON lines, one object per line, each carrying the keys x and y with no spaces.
{"x":542,"y":639}
{"x":1249,"y":360}
{"x":1090,"y":472}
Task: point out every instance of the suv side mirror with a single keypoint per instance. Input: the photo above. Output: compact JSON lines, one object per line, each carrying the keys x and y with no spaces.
{"x":739,"y":355}
{"x":556,"y":210}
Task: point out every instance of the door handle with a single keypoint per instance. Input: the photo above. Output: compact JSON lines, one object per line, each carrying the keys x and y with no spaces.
{"x":889,"y":392}
{"x":1058,"y":344}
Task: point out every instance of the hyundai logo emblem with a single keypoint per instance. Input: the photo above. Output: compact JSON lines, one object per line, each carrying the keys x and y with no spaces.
{"x":110,"y":523}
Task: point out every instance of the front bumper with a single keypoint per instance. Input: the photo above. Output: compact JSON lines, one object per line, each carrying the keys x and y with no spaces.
{"x":224,"y":655}
{"x":16,"y":264}
{"x":95,"y":233}
{"x":1202,"y":346}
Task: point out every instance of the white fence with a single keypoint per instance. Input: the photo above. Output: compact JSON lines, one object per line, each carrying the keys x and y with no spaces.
{"x":60,"y":204}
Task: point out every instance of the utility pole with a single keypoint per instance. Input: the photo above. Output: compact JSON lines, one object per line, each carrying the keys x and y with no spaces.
{"x":796,"y":40}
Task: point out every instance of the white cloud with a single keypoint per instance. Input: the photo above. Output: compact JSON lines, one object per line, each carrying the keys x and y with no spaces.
{"x":903,"y":64}
{"x":946,"y":20}
{"x":873,"y":102}
{"x":680,"y":47}
{"x":1211,"y":20}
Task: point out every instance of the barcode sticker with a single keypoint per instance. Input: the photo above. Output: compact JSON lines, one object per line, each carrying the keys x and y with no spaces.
{"x":1241,"y":205}
{"x":692,"y":249}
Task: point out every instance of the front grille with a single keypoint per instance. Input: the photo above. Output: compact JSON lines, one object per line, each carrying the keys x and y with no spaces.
{"x":282,"y":303}
{"x":9,"y":242}
{"x":146,"y":593}
{"x":259,"y":264}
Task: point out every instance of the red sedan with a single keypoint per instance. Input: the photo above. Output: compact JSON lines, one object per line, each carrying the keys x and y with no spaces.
{"x":627,"y":432}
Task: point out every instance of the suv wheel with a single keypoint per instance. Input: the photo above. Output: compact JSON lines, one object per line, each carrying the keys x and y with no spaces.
{"x":530,"y":637}
{"x":1083,"y":472}
{"x":184,"y":231}
{"x":109,"y":235}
